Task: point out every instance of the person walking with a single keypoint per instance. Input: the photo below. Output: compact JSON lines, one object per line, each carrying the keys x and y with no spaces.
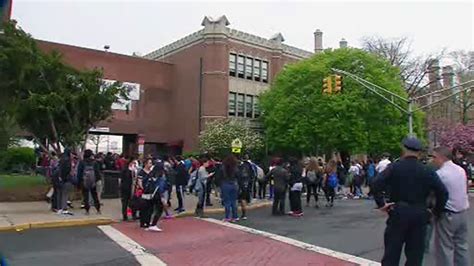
{"x":64,"y":182}
{"x":451,"y":239}
{"x":354,"y":171}
{"x":314,"y":174}
{"x":152,"y":206}
{"x":330,"y":182}
{"x":280,"y":177}
{"x":200,"y":185}
{"x":246,"y":177}
{"x":227,"y":178}
{"x":296,"y":185}
{"x":409,"y":184}
{"x":182,"y":176}
{"x":262,"y":183}
{"x":127,"y":176}
{"x":88,"y":174}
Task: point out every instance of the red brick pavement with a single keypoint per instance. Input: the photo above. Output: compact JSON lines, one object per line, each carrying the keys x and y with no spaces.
{"x":190,"y":241}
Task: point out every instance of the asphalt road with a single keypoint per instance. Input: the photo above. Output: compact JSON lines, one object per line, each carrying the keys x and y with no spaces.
{"x":63,"y":246}
{"x":352,"y":226}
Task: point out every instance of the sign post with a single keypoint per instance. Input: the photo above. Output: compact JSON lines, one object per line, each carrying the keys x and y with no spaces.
{"x":236,"y":146}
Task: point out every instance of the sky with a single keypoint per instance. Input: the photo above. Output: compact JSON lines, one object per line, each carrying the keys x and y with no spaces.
{"x":143,"y":26}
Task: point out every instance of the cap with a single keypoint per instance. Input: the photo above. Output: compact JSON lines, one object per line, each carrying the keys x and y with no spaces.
{"x":412,"y":143}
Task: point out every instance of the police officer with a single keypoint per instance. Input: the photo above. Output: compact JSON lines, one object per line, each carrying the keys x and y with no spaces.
{"x":407,"y":183}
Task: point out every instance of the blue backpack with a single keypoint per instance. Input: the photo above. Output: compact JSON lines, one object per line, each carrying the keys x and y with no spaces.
{"x":332,"y":180}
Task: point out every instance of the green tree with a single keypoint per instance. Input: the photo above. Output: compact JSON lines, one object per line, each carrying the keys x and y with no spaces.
{"x":48,"y":98}
{"x":219,"y":134}
{"x":298,"y":117}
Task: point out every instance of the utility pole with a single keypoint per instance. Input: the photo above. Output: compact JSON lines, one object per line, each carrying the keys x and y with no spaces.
{"x":409,"y":111}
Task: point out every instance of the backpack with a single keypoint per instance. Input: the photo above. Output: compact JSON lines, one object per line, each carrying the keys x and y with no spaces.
{"x":246,"y":174}
{"x":332,"y":180}
{"x":312,"y":177}
{"x":89,"y":178}
{"x":260,"y":174}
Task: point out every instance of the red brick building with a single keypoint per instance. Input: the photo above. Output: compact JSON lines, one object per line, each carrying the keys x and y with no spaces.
{"x":216,"y":72}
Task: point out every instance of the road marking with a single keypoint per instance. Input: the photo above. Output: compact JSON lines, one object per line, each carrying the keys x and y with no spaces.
{"x":141,"y":255}
{"x":300,"y":244}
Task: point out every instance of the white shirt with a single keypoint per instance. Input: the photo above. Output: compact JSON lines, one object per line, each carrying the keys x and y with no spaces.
{"x":454,"y":178}
{"x":354,"y":170}
{"x":382,"y":165}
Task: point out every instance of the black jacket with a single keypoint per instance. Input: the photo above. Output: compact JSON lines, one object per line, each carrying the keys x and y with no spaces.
{"x":126,"y":181}
{"x":296,"y":174}
{"x":182,"y":175}
{"x":80,"y":170}
{"x":280,"y":176}
{"x":410,"y":182}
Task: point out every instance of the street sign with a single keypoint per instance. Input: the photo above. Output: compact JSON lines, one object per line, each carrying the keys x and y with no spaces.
{"x":236,"y":146}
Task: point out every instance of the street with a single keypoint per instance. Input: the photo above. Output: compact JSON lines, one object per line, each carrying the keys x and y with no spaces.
{"x":351,"y":227}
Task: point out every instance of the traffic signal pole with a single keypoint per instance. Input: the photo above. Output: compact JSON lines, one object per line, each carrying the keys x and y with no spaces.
{"x":379,"y":91}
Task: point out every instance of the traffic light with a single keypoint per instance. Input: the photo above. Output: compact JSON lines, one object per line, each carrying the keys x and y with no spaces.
{"x":327,"y":85}
{"x":338,"y":85}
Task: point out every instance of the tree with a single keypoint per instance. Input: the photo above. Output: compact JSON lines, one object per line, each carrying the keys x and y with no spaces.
{"x":48,"y":98}
{"x":460,"y":136}
{"x":96,"y":140}
{"x":464,"y":71}
{"x":414,"y":70}
{"x":219,"y":134}
{"x":299,"y":117}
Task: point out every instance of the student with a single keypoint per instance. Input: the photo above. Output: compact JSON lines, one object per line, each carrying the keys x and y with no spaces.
{"x":182,"y":176}
{"x":88,"y":174}
{"x":330,"y":182}
{"x":152,"y":205}
{"x":127,"y":176}
{"x":313,"y":178}
{"x":227,"y":178}
{"x":246,"y":177}
{"x":280,"y":176}
{"x":200,"y":182}
{"x":296,"y":185}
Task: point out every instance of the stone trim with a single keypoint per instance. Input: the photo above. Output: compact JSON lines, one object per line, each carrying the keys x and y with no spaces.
{"x":233,"y":34}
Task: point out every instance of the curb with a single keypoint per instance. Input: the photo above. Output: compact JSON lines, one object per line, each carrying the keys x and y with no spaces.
{"x":106,"y":221}
{"x":222,"y":210}
{"x":56,"y":224}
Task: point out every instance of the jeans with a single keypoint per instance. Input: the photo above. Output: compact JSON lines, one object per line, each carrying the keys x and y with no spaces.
{"x":180,"y":196}
{"x":229,"y":197}
{"x":358,"y":191}
{"x":126,"y":197}
{"x":85,"y":195}
{"x":330,"y":194}
{"x":271,"y":191}
{"x":279,"y":202}
{"x":262,"y":189}
{"x":62,"y":195}
{"x":312,"y":189}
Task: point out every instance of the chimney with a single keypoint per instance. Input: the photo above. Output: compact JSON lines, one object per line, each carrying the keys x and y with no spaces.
{"x":318,"y":41}
{"x":343,"y":43}
{"x":448,"y":77}
{"x":433,"y":74}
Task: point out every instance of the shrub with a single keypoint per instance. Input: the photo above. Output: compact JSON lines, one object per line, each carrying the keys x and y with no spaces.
{"x":17,"y":159}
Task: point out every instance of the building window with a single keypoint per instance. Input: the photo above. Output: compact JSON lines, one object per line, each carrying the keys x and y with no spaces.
{"x":232,"y":96}
{"x":232,"y":64}
{"x":240,"y":105}
{"x":248,"y":106}
{"x":240,"y":66}
{"x":256,"y":107}
{"x":256,"y":70}
{"x":265,"y":71}
{"x":248,"y":67}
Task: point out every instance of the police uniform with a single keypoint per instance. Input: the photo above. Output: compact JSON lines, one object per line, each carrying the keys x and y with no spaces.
{"x":407,"y":183}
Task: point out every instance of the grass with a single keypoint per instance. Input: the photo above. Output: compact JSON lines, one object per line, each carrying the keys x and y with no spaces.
{"x":9,"y":181}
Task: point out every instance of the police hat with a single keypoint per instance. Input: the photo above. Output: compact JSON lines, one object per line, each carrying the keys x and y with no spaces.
{"x":412,"y":143}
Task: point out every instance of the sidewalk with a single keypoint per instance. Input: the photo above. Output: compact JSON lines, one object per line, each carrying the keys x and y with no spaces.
{"x":27,"y":215}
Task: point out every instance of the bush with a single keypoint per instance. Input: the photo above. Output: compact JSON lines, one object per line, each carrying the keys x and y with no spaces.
{"x":17,"y":159}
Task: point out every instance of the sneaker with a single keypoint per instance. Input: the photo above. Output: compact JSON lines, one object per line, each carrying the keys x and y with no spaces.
{"x":234,"y":220}
{"x":167,"y":217}
{"x":59,"y":212}
{"x":147,"y":228}
{"x":176,"y":210}
{"x":209,"y":204}
{"x":243,"y":218}
{"x":66,"y":212}
{"x":154,"y":228}
{"x":69,"y":204}
{"x":356,"y":197}
{"x":225,"y":220}
{"x":83,"y":206}
{"x":290,"y":213}
{"x":181,"y":210}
